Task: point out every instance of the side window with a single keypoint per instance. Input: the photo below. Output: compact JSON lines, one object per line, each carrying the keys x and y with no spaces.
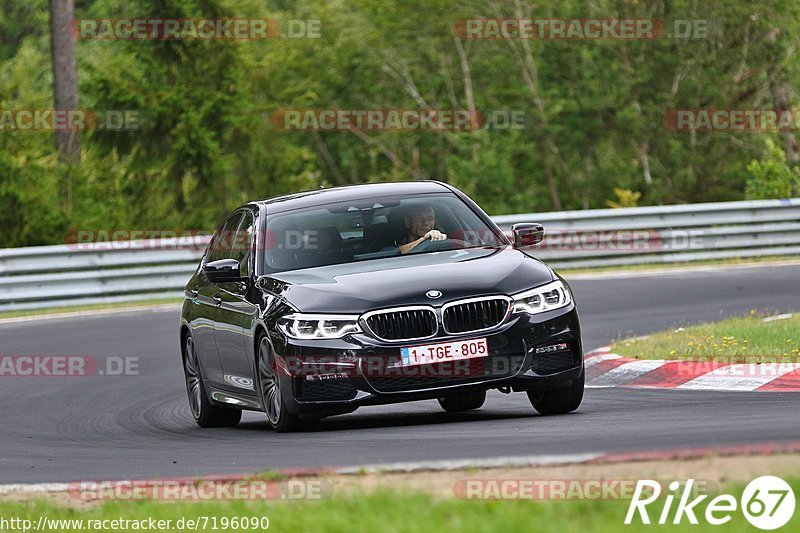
{"x":243,"y":243}
{"x":212,"y":252}
{"x":222,"y":243}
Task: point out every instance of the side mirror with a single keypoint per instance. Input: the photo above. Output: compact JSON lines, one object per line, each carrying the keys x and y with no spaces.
{"x":222,"y":270}
{"x":527,"y":234}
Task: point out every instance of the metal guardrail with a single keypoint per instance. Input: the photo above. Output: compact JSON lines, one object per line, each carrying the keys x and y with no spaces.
{"x":95,"y":273}
{"x":54,"y":276}
{"x":666,"y":234}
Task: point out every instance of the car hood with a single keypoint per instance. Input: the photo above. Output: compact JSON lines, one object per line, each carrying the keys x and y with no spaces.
{"x":404,"y":280}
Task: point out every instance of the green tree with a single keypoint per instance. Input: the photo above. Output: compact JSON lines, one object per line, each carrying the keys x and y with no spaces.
{"x":771,"y":176}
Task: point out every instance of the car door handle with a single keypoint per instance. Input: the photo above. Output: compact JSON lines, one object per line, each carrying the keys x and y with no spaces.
{"x":217,"y":300}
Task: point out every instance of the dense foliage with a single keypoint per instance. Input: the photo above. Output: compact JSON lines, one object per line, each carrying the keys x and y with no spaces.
{"x":595,"y":134}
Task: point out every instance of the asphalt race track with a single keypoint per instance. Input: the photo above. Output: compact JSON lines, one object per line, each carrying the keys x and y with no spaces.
{"x":60,"y":429}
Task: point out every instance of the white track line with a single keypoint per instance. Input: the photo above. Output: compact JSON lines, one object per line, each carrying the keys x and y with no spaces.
{"x":33,"y":488}
{"x":457,"y":464}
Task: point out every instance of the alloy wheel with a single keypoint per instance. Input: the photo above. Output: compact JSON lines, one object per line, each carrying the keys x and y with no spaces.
{"x":192,"y":371}
{"x":270,"y":383}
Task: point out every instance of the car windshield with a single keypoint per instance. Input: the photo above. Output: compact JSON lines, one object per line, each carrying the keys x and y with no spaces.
{"x":372,"y":228}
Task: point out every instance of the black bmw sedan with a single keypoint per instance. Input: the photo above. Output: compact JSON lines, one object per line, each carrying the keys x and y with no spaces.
{"x":317,"y":303}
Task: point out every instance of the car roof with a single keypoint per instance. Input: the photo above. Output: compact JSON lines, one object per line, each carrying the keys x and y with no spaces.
{"x":348,"y":193}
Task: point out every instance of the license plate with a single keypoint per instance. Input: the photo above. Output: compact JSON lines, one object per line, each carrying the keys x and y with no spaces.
{"x":445,"y":351}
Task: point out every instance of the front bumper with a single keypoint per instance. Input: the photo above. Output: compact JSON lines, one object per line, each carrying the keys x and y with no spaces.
{"x":331,"y":376}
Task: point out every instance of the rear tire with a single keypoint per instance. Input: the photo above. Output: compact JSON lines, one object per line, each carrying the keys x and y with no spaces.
{"x":463,"y":401}
{"x":559,"y":401}
{"x":205,"y":413}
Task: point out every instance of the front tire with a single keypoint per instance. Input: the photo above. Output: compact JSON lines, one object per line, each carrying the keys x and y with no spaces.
{"x":558,"y":401}
{"x":205,"y":413}
{"x":272,"y":395}
{"x":463,"y":401}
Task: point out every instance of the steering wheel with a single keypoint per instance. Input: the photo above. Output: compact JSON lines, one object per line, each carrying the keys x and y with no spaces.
{"x":438,"y":246}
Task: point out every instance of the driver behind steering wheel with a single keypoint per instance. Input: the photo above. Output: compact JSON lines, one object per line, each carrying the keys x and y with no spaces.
{"x":420,"y":221}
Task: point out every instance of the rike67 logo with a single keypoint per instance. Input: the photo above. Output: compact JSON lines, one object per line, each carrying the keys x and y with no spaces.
{"x":767,"y":502}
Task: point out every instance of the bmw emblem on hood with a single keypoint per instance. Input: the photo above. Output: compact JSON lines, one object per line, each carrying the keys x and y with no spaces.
{"x":433,"y":294}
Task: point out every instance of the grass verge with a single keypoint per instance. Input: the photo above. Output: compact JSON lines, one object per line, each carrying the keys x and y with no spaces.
{"x":381,"y":510}
{"x":425,"y":500}
{"x":566,"y":272}
{"x":750,"y":339}
{"x":91,"y":307}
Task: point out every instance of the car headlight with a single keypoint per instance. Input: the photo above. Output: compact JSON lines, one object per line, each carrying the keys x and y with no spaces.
{"x":541,"y":299}
{"x":302,"y":326}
